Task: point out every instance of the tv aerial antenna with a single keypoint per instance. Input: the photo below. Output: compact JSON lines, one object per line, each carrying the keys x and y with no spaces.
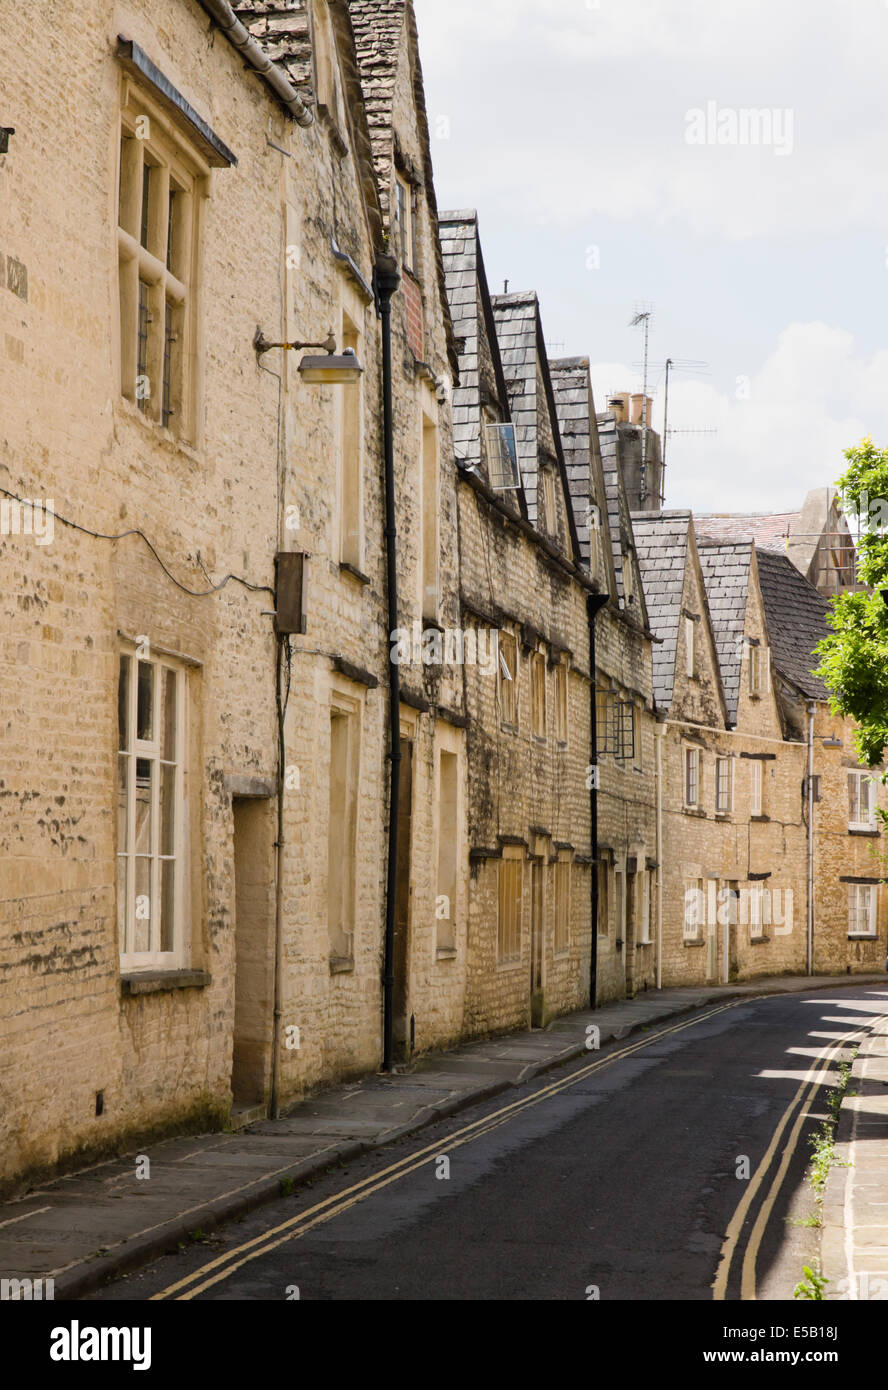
{"x":641,"y":318}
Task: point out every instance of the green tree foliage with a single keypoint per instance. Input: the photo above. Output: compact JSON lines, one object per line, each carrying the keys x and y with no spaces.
{"x":854,"y":658}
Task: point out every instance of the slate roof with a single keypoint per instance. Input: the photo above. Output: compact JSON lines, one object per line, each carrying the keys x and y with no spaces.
{"x":661,"y":543}
{"x":516,"y":317}
{"x":573,"y":402}
{"x":768,"y":530}
{"x":462,"y":268}
{"x":726,"y":575}
{"x":617,"y":505}
{"x":796,"y":617}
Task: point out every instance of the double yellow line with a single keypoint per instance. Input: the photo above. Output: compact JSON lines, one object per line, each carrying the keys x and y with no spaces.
{"x":225,"y":1265}
{"x":799,"y":1107}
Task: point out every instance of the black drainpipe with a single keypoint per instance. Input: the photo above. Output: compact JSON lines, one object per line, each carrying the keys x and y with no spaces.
{"x":594,"y":602}
{"x":386,"y":279}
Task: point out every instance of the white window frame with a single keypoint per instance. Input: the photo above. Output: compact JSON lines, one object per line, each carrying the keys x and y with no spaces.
{"x":855,"y":799}
{"x":863,"y":908}
{"x":727,"y":762}
{"x":691,"y":759}
{"x":150,"y":750}
{"x":756,"y":786}
{"x":690,"y":652}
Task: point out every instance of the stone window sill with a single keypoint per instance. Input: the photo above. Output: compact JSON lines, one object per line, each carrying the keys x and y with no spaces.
{"x":693,"y":943}
{"x":759,"y":940}
{"x":864,"y":834}
{"x":163,"y":981}
{"x":446,"y":953}
{"x":723,"y":815}
{"x":862,"y":936}
{"x":760,"y":818}
{"x":508,"y":728}
{"x":341,"y":965}
{"x":694,"y":811}
{"x":346,"y":568}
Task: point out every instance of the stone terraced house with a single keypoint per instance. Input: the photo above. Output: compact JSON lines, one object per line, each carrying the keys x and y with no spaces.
{"x":349,"y":709}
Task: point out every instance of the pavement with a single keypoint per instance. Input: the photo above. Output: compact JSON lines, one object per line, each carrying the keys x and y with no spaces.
{"x":89,"y":1227}
{"x":854,"y":1246}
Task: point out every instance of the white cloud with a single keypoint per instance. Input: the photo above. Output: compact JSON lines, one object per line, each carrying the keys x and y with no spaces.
{"x":809,"y":400}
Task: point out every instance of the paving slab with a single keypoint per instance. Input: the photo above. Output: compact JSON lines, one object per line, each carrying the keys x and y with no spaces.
{"x":88,"y":1227}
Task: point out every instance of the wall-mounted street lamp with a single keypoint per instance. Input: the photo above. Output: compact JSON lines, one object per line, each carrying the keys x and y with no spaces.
{"x":333,"y":369}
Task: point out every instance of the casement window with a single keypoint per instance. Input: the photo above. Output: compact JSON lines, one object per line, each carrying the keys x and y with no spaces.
{"x":511,"y":894}
{"x":756,"y":792}
{"x":405,"y":213}
{"x":759,"y":911}
{"x":759,"y":669}
{"x":151,"y":842}
{"x":637,"y":749}
{"x":561,"y":703}
{"x":615,"y":725}
{"x":342,"y":833}
{"x":694,"y":909}
{"x":861,"y":801}
{"x":448,"y":841}
{"x":862,"y":902}
{"x":538,"y":694}
{"x":157,"y":235}
{"x":562,"y":871}
{"x":690,"y":652}
{"x":724,"y":785}
{"x":507,"y":678}
{"x":691,"y":777}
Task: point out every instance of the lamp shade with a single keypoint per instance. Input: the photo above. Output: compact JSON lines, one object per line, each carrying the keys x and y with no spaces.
{"x":331,"y":369}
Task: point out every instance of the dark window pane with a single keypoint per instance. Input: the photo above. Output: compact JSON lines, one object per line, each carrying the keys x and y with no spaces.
{"x":167,"y":809}
{"x":170,"y":693}
{"x":167,"y":905}
{"x":123,"y":703}
{"x":145,"y":710}
{"x":146,"y":203}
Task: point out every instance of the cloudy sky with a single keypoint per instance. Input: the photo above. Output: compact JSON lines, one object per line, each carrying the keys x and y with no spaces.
{"x":570,"y":126}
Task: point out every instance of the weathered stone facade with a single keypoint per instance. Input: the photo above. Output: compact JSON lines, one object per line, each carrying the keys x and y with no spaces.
{"x":195,"y":646}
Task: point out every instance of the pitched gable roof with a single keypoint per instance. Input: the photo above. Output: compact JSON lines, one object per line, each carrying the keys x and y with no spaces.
{"x":525,"y":362}
{"x":661,"y":541}
{"x":572,"y":387}
{"x":768,"y":530}
{"x":619,"y":515}
{"x":797,"y":620}
{"x":480,"y":366}
{"x":726,"y":575}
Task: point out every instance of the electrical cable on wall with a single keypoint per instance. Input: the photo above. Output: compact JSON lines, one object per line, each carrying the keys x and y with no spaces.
{"x":102,"y":536}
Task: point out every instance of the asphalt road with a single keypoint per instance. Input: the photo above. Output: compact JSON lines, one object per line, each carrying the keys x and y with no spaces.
{"x":621,"y":1176}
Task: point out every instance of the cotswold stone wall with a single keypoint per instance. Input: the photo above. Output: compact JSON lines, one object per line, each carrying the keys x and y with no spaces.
{"x":525,"y":793}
